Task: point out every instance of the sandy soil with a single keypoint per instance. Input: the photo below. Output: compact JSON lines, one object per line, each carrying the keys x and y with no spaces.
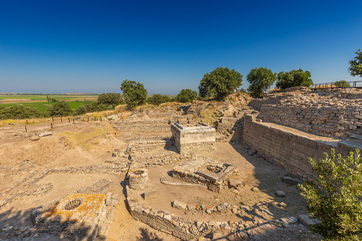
{"x":84,"y":144}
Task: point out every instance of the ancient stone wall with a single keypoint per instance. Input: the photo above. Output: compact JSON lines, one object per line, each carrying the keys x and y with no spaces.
{"x":287,"y":149}
{"x":333,"y":119}
{"x":332,"y":113}
{"x":141,"y":126}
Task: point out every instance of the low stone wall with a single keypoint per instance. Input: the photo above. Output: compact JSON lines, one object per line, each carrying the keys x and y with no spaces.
{"x":285,"y":148}
{"x":149,"y":144}
{"x":149,"y":126}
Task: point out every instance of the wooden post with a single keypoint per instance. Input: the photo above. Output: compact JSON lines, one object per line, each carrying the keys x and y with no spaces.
{"x":73,"y":120}
{"x":61,"y":119}
{"x":26,"y":130}
{"x":51,"y":125}
{"x":68,"y":120}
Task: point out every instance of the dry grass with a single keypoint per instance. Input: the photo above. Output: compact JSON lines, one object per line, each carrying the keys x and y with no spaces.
{"x":87,"y":140}
{"x":31,"y":121}
{"x":210,"y":115}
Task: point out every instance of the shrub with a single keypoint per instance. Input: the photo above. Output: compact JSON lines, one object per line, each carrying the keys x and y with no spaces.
{"x":335,"y":196}
{"x":294,"y":78}
{"x":60,"y":108}
{"x":19,"y":112}
{"x":186,"y":95}
{"x":342,"y":83}
{"x":158,"y":99}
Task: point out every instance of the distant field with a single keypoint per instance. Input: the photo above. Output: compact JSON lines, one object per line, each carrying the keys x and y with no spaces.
{"x":44,"y":97}
{"x":43,"y":106}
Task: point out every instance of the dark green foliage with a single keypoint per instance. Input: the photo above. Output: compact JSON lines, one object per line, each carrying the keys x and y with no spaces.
{"x":60,"y":108}
{"x":335,"y":196}
{"x":260,"y":80}
{"x":94,"y":107}
{"x":294,"y":78}
{"x":110,"y":99}
{"x":356,"y":64}
{"x":342,"y":83}
{"x":19,"y":112}
{"x":219,"y":83}
{"x":186,"y":95}
{"x":158,"y":99}
{"x":134,"y":93}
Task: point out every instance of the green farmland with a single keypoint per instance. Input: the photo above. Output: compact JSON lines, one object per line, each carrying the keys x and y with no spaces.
{"x":40,"y":101}
{"x":43,"y":106}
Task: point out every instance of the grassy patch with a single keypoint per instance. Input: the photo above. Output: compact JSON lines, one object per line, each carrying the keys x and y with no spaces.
{"x":85,"y":140}
{"x":58,"y":97}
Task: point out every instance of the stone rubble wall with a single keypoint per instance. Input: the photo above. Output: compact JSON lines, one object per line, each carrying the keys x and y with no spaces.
{"x":285,"y":149}
{"x":140,"y":126}
{"x":149,"y":144}
{"x":331,"y":113}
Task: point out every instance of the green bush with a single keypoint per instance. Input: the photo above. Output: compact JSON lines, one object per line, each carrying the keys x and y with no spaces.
{"x":342,"y":83}
{"x":60,"y":108}
{"x":110,"y":99}
{"x":334,"y":197}
{"x":294,"y":78}
{"x":158,"y":99}
{"x":19,"y":112}
{"x":186,"y":95}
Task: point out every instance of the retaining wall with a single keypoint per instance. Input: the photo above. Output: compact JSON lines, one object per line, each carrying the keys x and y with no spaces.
{"x":287,"y":149}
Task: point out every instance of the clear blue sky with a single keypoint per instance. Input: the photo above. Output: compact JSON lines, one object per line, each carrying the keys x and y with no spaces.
{"x":91,"y":46}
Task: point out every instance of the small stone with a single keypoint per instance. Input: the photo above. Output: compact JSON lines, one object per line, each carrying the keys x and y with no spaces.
{"x":280,"y":193}
{"x":307,"y":221}
{"x":179,"y":205}
{"x":255,"y":189}
{"x":291,"y":180}
{"x":35,"y":138}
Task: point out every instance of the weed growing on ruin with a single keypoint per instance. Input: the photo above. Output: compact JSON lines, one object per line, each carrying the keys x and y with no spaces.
{"x":335,"y":196}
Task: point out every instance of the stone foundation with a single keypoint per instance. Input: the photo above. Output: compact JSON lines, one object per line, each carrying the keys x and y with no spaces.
{"x":191,"y":139}
{"x":205,"y":171}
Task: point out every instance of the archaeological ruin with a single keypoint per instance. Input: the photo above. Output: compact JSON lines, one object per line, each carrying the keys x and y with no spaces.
{"x":204,"y":171}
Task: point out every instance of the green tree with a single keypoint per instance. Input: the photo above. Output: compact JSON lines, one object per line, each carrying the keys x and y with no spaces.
{"x":342,"y":83}
{"x":186,"y":95}
{"x":260,"y":80}
{"x":134,"y":93}
{"x":19,"y":112}
{"x":356,"y":64}
{"x":334,"y":197}
{"x":110,"y":99}
{"x":294,"y":78}
{"x":60,"y":108}
{"x":158,"y":99}
{"x":219,"y":83}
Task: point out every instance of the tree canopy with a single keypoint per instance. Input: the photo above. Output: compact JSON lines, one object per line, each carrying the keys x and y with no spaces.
{"x":60,"y":108}
{"x":19,"y":112}
{"x":356,"y":64}
{"x":110,"y":99}
{"x":260,"y":79}
{"x":294,"y":78}
{"x":134,"y":93}
{"x":186,"y":95}
{"x":219,"y":83}
{"x":158,"y":99}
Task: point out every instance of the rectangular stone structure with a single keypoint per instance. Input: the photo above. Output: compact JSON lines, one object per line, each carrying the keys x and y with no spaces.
{"x":190,"y":139}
